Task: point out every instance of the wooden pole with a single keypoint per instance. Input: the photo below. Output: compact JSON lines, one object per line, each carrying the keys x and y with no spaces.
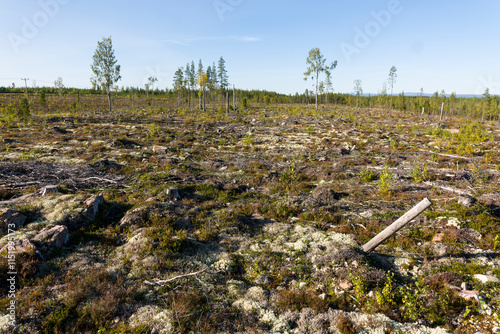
{"x":442,"y":108}
{"x":397,"y":225}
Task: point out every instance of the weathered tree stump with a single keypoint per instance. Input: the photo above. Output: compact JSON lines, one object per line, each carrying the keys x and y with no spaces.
{"x":173,"y":192}
{"x":50,"y":189}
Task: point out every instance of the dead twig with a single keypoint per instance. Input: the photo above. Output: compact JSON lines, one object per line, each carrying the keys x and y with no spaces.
{"x":447,"y":188}
{"x":163,"y":282}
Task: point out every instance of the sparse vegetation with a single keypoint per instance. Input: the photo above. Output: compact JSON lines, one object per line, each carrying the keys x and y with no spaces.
{"x":269,"y":221}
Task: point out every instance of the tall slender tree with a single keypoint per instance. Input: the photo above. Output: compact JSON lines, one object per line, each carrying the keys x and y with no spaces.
{"x":202,"y":83}
{"x":178,"y":84}
{"x":151,"y":82}
{"x":317,"y":65}
{"x":199,"y":74}
{"x":222,"y":75}
{"x":392,"y":80}
{"x":187,"y":77}
{"x":104,"y":68}
{"x":328,"y":85}
{"x":358,"y":90}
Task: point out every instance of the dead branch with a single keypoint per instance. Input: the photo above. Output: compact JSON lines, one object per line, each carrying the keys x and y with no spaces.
{"x":447,"y":188}
{"x":163,"y":282}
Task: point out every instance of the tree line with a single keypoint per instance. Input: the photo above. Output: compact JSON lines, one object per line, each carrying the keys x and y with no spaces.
{"x":212,"y":84}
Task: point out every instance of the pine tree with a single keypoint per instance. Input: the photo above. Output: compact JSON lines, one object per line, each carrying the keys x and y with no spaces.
{"x":178,"y":84}
{"x":222,"y":75}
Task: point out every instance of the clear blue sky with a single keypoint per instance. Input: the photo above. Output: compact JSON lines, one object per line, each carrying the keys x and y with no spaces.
{"x":448,"y":44}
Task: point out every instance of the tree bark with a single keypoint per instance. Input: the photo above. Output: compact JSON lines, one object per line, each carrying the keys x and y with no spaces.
{"x":109,"y":100}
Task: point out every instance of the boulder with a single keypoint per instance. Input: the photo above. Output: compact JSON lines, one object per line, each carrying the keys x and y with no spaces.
{"x":92,"y":207}
{"x":49,"y":239}
{"x":134,"y":218}
{"x":10,"y":220}
{"x":466,"y":200}
{"x":486,"y":278}
{"x":18,"y":246}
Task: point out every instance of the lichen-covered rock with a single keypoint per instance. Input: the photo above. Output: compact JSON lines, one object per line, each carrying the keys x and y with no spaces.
{"x":18,"y":246}
{"x":52,"y":238}
{"x":10,"y":220}
{"x":92,"y":207}
{"x":134,"y":218}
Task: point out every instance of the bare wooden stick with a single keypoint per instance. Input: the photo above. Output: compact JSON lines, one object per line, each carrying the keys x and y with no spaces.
{"x":397,"y":225}
{"x":447,"y":188}
{"x":162,"y":282}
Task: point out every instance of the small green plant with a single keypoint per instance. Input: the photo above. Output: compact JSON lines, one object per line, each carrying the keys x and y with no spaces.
{"x":289,"y":177}
{"x":386,"y":298}
{"x":419,"y":174}
{"x":23,"y":111}
{"x":496,"y":241}
{"x":248,"y":140}
{"x":359,"y":286}
{"x":366,"y":175}
{"x":385,"y":181}
{"x":412,"y":301}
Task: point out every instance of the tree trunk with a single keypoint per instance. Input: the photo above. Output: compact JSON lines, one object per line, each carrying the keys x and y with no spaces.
{"x":204,"y":98}
{"x":109,"y":100}
{"x":317,"y":73}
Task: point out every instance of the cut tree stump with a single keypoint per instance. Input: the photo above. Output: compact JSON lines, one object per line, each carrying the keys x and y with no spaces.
{"x":173,"y":192}
{"x":50,"y":189}
{"x":397,"y":225}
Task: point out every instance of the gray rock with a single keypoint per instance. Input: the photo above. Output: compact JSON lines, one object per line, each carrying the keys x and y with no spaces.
{"x":19,"y":246}
{"x":52,"y":238}
{"x":262,"y":280}
{"x":10,"y":220}
{"x":466,"y":201}
{"x":486,"y":278}
{"x":92,"y":207}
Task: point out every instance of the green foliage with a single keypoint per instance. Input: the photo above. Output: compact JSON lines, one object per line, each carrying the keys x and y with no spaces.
{"x":247,"y":140}
{"x":289,"y":177}
{"x":244,"y":104}
{"x":43,"y":101}
{"x":366,"y":175}
{"x":413,"y":301}
{"x":165,"y":240}
{"x":419,"y":174}
{"x":385,"y":181}
{"x":23,"y":111}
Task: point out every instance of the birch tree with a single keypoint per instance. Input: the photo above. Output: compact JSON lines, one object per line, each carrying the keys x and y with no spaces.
{"x":104,"y":68}
{"x":317,"y":65}
{"x":392,"y":80}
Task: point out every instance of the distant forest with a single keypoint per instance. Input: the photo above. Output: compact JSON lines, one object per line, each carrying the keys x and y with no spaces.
{"x":486,"y":107}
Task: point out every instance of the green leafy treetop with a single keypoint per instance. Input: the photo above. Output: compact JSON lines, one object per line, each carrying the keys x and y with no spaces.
{"x":317,"y":65}
{"x":104,"y":68}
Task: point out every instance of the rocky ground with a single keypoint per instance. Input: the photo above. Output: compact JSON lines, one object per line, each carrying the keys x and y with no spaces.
{"x":251,"y":222}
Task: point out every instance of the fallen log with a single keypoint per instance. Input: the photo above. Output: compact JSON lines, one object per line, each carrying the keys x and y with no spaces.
{"x":397,"y":225}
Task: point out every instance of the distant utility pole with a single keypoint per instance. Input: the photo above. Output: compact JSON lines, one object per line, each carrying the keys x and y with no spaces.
{"x":26,"y":85}
{"x":234,"y":100}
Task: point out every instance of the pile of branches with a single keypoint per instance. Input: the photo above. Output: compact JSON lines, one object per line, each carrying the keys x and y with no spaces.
{"x":20,"y":174}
